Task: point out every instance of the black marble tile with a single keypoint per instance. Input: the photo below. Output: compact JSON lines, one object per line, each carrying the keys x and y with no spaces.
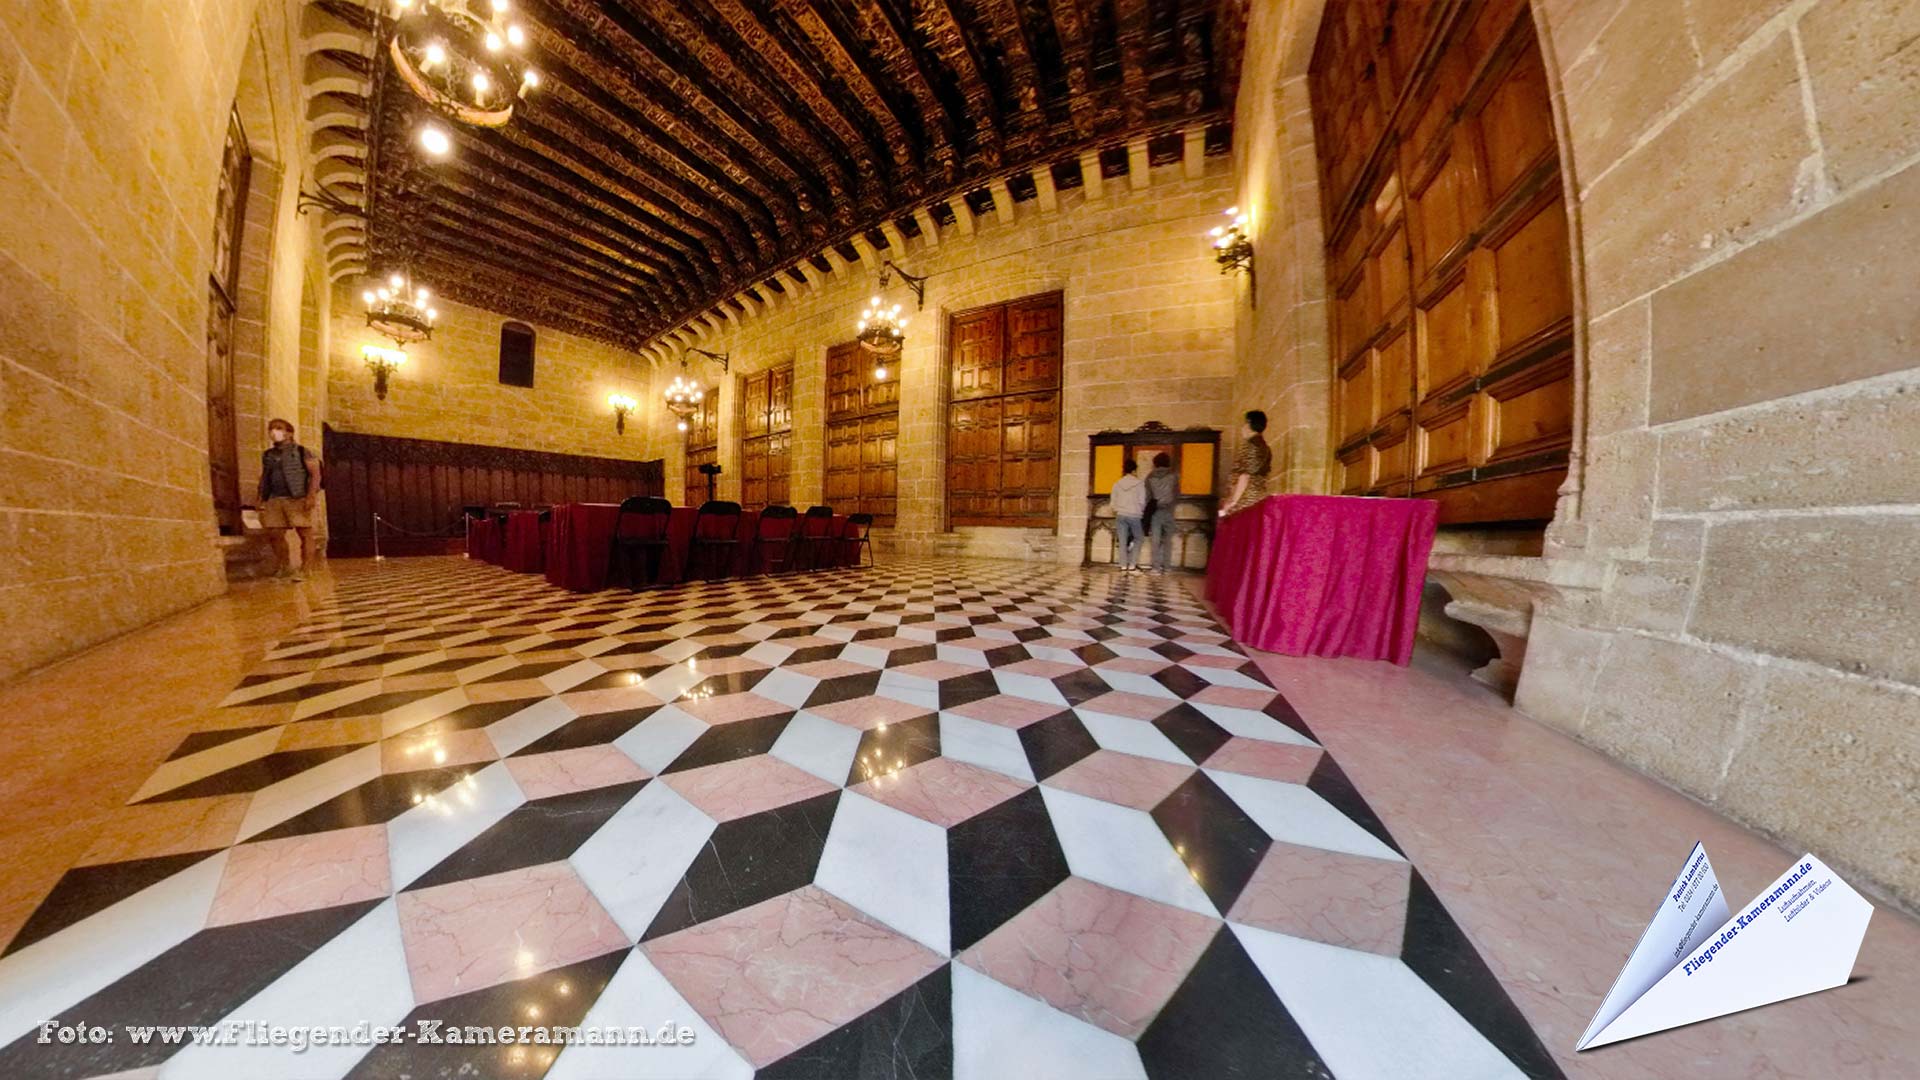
{"x":731,"y":742}
{"x":85,"y":890}
{"x":1220,"y":844}
{"x":1056,"y":742}
{"x":1095,"y":653}
{"x":253,"y":775}
{"x":622,"y":679}
{"x":310,"y":689}
{"x":375,"y":705}
{"x":197,"y":982}
{"x":561,"y":996}
{"x":1192,"y":731}
{"x":1438,"y":951}
{"x":206,"y":740}
{"x":373,"y":803}
{"x":998,"y":863}
{"x":1182,"y":682}
{"x":541,"y":831}
{"x":907,"y":1037}
{"x":844,"y":688}
{"x":1282,"y":710}
{"x":528,"y":671}
{"x":1082,"y":686}
{"x":594,"y":729}
{"x":468,"y":717}
{"x":1226,"y":1023}
{"x":900,"y":745}
{"x":747,"y":860}
{"x":961,"y":689}
{"x":1330,"y":782}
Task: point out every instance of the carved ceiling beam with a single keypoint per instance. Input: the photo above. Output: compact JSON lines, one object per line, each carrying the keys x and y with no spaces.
{"x":1076,"y":56}
{"x":852,"y":73}
{"x":935,"y":19}
{"x":1192,"y":30}
{"x":1009,"y":31}
{"x":545,"y":217}
{"x":896,"y":55}
{"x":1131,"y":33}
{"x":583,"y":264}
{"x":506,"y":256}
{"x":478,"y":279}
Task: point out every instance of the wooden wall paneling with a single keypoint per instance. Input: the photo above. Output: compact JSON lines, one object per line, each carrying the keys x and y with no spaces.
{"x":780,"y":398}
{"x":976,"y":345}
{"x":1007,"y":473}
{"x":1033,"y":328}
{"x":863,"y":422}
{"x":753,"y":405}
{"x":973,"y":460}
{"x":847,"y":376}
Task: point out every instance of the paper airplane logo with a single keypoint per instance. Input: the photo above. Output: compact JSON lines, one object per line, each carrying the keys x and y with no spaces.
{"x":1695,"y":961}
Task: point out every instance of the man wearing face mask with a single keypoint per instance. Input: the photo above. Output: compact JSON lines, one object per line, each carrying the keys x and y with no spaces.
{"x":289,"y":484}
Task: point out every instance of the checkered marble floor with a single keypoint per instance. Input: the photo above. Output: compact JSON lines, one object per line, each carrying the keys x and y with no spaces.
{"x":921,"y":820}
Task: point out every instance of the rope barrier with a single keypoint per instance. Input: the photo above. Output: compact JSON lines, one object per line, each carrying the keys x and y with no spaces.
{"x":466,"y":524}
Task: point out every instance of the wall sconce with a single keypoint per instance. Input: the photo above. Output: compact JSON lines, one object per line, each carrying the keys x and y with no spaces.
{"x":382,"y":362}
{"x":719,"y":357}
{"x":622,"y":405}
{"x":1231,"y":247}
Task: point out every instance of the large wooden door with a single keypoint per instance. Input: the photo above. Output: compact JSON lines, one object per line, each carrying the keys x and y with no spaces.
{"x":223,"y":284}
{"x":766,"y":436}
{"x":1003,"y":419}
{"x":863,"y":423}
{"x":703,"y":445}
{"x":1447,"y":256}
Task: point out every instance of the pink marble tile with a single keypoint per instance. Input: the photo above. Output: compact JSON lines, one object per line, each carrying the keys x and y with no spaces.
{"x":830,"y":669}
{"x":729,"y":708}
{"x":815,"y":641}
{"x":612,"y":698}
{"x":563,"y":772}
{"x":1007,"y":710}
{"x":172,"y":827}
{"x":735,"y":789}
{"x":1137,"y":665}
{"x":1208,"y":660}
{"x":1121,"y":778}
{"x":1235,"y":697}
{"x":934,"y":670}
{"x":1059,"y":642}
{"x":1285,"y":762}
{"x":1107,"y":957}
{"x":727,"y":665}
{"x":869,"y":712}
{"x":302,"y":873}
{"x":776,"y":976}
{"x":1045,"y":669}
{"x":440,"y":749}
{"x":1347,"y":900}
{"x":1132,"y":706}
{"x":469,"y":935}
{"x":943,"y":791}
{"x":978,"y":644}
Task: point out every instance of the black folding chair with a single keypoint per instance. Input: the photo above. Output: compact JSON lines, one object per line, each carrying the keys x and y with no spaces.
{"x":858,"y":534}
{"x":716,"y":535}
{"x":640,"y":526}
{"x":773,"y":541}
{"x":814,"y":535}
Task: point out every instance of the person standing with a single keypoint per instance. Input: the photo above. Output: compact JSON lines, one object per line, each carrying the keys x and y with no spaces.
{"x":1250,"y":465}
{"x":1129,"y":503}
{"x":289,"y":486}
{"x":1163,"y":490}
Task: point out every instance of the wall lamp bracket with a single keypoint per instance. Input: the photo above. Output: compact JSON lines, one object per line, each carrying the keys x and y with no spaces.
{"x":721,"y":358}
{"x":916,"y":282}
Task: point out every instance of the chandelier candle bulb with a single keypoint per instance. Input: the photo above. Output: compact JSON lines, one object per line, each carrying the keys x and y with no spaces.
{"x":516,"y":36}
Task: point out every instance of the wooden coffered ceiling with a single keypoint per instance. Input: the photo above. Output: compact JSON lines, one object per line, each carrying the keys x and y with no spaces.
{"x":679,"y":152}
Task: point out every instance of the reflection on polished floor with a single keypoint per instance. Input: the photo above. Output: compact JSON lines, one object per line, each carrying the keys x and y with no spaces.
{"x":922,"y":820}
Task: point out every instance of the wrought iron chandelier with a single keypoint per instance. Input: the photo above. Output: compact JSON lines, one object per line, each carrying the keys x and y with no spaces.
{"x":466,"y":58}
{"x":683,"y":397}
{"x":883,"y":330}
{"x":399,"y":309}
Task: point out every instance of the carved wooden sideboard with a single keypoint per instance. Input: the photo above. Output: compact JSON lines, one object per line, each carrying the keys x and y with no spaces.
{"x":1196,"y":459}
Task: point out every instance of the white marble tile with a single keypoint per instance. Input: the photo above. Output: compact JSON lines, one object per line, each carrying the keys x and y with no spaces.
{"x":1031,"y":687}
{"x":185,"y":770}
{"x":1000,"y":1033}
{"x":1134,"y":682}
{"x":864,"y":655}
{"x":990,"y":746}
{"x":1225,"y":677}
{"x":1339,"y":997}
{"x":517,"y":731}
{"x":653,"y":743}
{"x":53,"y":974}
{"x":639,"y":996}
{"x":561,"y":680}
{"x":446,"y":820}
{"x":297,"y":794}
{"x":634,"y":861}
{"x":819,"y":746}
{"x":909,"y":689}
{"x":954,"y":654}
{"x":789,"y":688}
{"x":677,"y":651}
{"x":1123,"y":848}
{"x":891,"y":865}
{"x":670,"y":682}
{"x":1293,"y":813}
{"x":414,"y":713}
{"x":1130,"y":736}
{"x":1252,"y":725}
{"x":359,"y":977}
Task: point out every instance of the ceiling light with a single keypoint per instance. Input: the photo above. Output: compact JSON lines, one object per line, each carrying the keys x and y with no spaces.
{"x":435,"y":140}
{"x":436,"y":53}
{"x":493,"y":41}
{"x":516,"y":36}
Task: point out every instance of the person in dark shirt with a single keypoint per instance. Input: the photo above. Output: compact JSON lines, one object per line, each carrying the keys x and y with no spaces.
{"x":1163,"y":488}
{"x":289,"y":485}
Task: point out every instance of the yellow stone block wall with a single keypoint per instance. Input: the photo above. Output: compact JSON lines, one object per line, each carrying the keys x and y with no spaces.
{"x":1148,"y":336}
{"x":449,"y":388}
{"x":112,"y":118}
{"x":1738,"y":615}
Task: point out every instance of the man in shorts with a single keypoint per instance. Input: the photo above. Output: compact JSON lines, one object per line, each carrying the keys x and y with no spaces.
{"x":289,"y":485}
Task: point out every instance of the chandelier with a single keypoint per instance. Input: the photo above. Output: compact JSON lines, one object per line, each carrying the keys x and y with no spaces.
{"x":399,"y":310}
{"x":883,"y":330}
{"x":464,"y":58}
{"x":683,"y":397}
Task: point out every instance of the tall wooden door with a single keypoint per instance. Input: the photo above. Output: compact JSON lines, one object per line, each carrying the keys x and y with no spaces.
{"x":1447,"y":256}
{"x":223,"y":283}
{"x":1003,"y":416}
{"x":863,"y":426}
{"x":766,"y":437}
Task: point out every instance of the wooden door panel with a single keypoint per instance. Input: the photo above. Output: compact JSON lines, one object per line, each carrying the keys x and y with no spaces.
{"x":1003,"y":447}
{"x":1529,"y":295}
{"x":780,"y":398}
{"x":977,"y":344}
{"x":1446,"y":341}
{"x":1356,"y":400}
{"x":1516,"y":124}
{"x":1356,"y":470}
{"x":753,"y":405}
{"x":1531,"y":412}
{"x":1033,"y":344}
{"x":1393,"y":373}
{"x":1446,"y":441}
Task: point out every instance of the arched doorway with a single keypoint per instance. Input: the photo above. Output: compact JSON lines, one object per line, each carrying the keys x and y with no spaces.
{"x":223,"y":291}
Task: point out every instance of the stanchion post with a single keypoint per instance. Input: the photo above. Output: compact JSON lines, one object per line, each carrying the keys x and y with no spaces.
{"x":377,"y":557}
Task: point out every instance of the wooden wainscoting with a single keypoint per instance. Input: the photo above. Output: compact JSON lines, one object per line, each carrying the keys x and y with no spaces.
{"x":419,"y":487}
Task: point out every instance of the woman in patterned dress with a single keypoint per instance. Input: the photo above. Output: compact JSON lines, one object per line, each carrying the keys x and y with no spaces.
{"x":1250,"y":465}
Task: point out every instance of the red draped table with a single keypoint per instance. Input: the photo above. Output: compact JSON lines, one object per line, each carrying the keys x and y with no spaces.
{"x":523,"y":549}
{"x":1319,"y":575}
{"x":582,"y":539}
{"x":485,"y":539}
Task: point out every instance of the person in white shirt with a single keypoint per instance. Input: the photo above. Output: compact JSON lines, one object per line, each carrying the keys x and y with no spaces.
{"x":1129,"y":506}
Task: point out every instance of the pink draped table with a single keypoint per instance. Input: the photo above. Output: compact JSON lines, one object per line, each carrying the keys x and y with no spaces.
{"x":1320,"y":575}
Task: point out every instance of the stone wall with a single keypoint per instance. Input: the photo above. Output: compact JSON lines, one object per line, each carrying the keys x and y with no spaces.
{"x":449,"y":389}
{"x":112,"y":119}
{"x":1148,"y":336}
{"x":1726,"y":597}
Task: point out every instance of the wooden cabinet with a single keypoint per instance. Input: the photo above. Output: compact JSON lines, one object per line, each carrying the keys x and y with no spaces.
{"x":1003,"y":415}
{"x":1447,"y":256}
{"x":766,"y":437}
{"x":863,"y":434}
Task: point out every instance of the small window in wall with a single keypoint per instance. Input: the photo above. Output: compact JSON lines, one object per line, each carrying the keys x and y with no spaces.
{"x":516,"y":354}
